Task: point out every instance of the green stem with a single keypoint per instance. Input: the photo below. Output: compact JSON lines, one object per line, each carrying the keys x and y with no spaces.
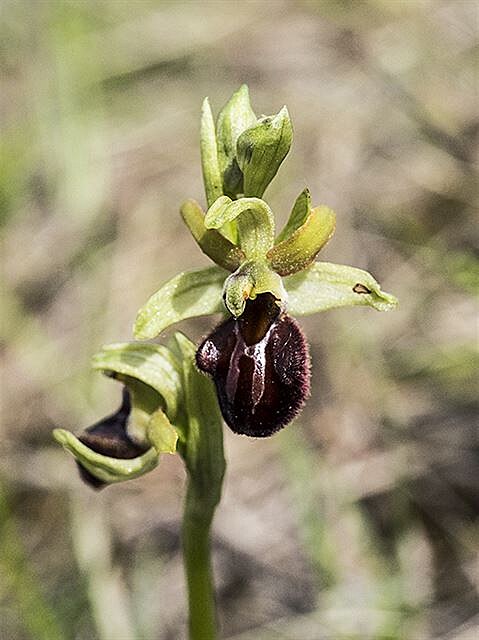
{"x":204,"y":458}
{"x":197,"y":518}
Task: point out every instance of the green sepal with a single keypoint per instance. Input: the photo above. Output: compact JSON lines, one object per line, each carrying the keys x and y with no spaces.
{"x":103,"y":467}
{"x":325,"y":286}
{"x":212,"y":243}
{"x":187,"y":295}
{"x":151,"y":365}
{"x":302,"y":246}
{"x":236,"y":116}
{"x":250,"y":280}
{"x":255,"y":223}
{"x":203,"y":446}
{"x":298,"y":215}
{"x":209,"y":155}
{"x":261,"y":149}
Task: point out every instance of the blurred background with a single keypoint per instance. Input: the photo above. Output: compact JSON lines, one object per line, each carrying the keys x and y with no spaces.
{"x":360,"y":520}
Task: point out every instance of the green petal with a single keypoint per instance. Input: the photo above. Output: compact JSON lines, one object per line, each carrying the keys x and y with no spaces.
{"x":212,"y":243}
{"x":151,"y":364}
{"x":161,"y":433}
{"x":326,"y":286}
{"x":300,"y":249}
{"x":209,"y":155}
{"x":298,"y":215}
{"x":103,"y":467}
{"x":255,"y":224}
{"x":187,"y":295}
{"x":261,"y":149}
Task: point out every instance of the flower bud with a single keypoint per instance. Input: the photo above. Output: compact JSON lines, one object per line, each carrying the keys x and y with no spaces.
{"x":261,"y":149}
{"x":260,"y":365}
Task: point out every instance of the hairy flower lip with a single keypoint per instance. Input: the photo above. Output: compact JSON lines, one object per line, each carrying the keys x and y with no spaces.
{"x":253,"y":325}
{"x":260,"y":365}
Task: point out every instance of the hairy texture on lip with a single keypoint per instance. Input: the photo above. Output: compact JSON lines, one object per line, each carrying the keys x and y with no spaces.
{"x":109,"y":437}
{"x":260,"y":366}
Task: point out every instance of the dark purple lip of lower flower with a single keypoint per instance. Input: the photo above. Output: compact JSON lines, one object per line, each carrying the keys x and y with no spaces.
{"x":109,"y":437}
{"x":260,"y":366}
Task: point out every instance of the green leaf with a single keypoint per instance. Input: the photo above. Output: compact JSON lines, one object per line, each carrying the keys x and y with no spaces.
{"x":250,"y":280}
{"x":255,"y":223}
{"x":187,"y":295}
{"x":151,"y":364}
{"x":261,"y":149}
{"x":103,"y":467}
{"x":298,"y":215}
{"x":161,"y":433}
{"x":300,"y":249}
{"x":203,"y":450}
{"x":212,"y":243}
{"x":209,"y":155}
{"x":236,"y":116}
{"x":326,"y":286}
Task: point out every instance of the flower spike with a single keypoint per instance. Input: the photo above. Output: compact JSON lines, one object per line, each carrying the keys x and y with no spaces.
{"x":269,"y":277}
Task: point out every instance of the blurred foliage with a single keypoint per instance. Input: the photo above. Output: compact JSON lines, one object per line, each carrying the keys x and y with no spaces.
{"x":360,"y":521}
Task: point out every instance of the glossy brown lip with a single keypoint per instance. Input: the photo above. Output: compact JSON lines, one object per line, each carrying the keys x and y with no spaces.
{"x":109,"y":437}
{"x":260,"y":366}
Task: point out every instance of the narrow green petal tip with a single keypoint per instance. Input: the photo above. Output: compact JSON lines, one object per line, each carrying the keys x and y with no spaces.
{"x":298,"y":215}
{"x":61,"y":436}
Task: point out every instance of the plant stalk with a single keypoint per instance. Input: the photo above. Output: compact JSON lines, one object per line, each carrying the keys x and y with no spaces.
{"x":197,"y":519}
{"x":202,"y":451}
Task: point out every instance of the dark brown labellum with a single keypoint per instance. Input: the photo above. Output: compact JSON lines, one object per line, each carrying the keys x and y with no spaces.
{"x":110,"y":438}
{"x":260,"y":366}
